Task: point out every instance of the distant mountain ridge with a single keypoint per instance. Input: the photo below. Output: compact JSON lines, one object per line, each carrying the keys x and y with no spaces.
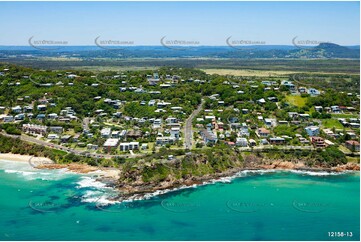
{"x":323,"y":50}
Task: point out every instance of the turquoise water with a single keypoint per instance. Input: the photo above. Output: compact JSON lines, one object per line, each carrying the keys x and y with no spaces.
{"x":55,"y":205}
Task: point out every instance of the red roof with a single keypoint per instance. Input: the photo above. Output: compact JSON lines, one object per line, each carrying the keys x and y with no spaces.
{"x":352,"y":142}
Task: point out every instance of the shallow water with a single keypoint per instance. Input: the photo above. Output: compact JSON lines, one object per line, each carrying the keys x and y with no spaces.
{"x":56,"y":205}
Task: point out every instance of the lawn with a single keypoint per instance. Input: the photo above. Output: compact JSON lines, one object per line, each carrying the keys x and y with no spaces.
{"x":344,"y":115}
{"x":296,"y":100}
{"x":330,"y":123}
{"x":247,"y":72}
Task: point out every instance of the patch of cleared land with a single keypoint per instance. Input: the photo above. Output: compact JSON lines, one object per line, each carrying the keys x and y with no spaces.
{"x":235,"y":72}
{"x":113,"y":68}
{"x":264,"y":73}
{"x":296,"y":100}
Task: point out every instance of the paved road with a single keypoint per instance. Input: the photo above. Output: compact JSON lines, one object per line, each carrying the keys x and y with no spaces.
{"x":64,"y":148}
{"x":188,"y":131}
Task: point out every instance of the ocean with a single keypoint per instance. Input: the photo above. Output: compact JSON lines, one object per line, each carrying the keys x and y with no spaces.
{"x":256,"y":205}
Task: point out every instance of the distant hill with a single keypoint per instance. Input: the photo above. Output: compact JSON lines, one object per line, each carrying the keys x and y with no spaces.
{"x":323,"y":50}
{"x":328,"y":50}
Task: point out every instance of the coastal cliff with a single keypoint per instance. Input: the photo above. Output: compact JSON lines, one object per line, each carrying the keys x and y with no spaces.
{"x":150,"y":175}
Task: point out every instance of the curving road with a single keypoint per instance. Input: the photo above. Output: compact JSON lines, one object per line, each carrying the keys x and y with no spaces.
{"x":188,"y":131}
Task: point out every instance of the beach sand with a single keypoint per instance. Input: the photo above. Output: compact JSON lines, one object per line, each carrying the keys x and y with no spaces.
{"x":23,"y":158}
{"x":46,"y":163}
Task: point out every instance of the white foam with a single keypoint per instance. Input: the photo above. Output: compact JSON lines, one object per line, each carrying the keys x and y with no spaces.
{"x":229,"y":179}
{"x":24,"y":170}
{"x":317,"y":173}
{"x":89,"y":182}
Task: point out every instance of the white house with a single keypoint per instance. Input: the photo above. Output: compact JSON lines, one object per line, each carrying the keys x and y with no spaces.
{"x":313,"y":92}
{"x":312,"y":130}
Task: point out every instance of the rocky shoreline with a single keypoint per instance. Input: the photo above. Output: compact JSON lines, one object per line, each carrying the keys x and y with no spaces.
{"x":138,"y":189}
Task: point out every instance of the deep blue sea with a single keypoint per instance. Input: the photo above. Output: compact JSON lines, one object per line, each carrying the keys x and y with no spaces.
{"x":273,"y":205}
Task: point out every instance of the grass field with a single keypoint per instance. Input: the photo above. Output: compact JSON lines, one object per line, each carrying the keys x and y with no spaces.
{"x":344,"y":115}
{"x":330,"y":123}
{"x":296,"y":100}
{"x":113,"y":68}
{"x":260,"y":73}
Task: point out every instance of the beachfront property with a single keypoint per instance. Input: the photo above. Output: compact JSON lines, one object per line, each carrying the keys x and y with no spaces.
{"x":164,"y":124}
{"x":35,"y":129}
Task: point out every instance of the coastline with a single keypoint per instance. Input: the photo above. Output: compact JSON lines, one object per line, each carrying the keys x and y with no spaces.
{"x":139,"y":189}
{"x":46,"y":163}
{"x":142,"y":190}
{"x":23,"y":158}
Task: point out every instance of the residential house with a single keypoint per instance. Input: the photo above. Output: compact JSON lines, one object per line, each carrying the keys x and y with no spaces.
{"x":312,"y":130}
{"x":16,"y":109}
{"x":65,"y":138}
{"x":241,"y":142}
{"x":318,"y":109}
{"x":56,"y":129}
{"x":174,"y":132}
{"x":7,"y":118}
{"x":164,"y":140}
{"x":276,"y":141}
{"x":262,"y":132}
{"x":41,"y":107}
{"x":318,"y":142}
{"x":352,"y":145}
{"x":208,"y":136}
{"x":110,"y":144}
{"x":53,"y":136}
{"x":129,"y":146}
{"x":270,"y":122}
{"x":313,"y":92}
{"x":335,"y":109}
{"x":288,"y":84}
{"x":134,"y":134}
{"x":34,"y":129}
{"x":105,"y":132}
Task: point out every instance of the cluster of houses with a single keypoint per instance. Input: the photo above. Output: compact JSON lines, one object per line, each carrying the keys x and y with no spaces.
{"x":168,"y":128}
{"x":214,"y":132}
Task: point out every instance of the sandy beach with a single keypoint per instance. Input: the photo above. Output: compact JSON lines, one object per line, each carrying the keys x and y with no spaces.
{"x":46,"y":163}
{"x":23,"y":158}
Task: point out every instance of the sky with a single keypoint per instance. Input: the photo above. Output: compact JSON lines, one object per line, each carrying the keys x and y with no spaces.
{"x":207,"y":23}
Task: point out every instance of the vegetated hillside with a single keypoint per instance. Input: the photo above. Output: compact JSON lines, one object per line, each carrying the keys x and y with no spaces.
{"x":323,"y":50}
{"x":327,"y":50}
{"x":157,"y":172}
